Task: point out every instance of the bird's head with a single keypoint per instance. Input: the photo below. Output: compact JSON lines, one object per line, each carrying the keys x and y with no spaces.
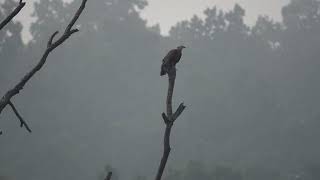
{"x":181,"y":47}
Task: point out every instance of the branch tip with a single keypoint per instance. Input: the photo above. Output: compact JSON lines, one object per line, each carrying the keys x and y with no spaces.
{"x":178,"y":111}
{"x":22,"y":122}
{"x":22,"y":3}
{"x":165,"y":118}
{"x":51,"y":38}
{"x":73,"y":31}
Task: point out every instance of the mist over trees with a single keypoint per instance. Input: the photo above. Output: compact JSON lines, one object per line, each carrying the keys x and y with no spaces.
{"x":251,"y":95}
{"x":11,"y":45}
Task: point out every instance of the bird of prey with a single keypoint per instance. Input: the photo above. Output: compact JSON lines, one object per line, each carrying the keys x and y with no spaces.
{"x":171,"y":59}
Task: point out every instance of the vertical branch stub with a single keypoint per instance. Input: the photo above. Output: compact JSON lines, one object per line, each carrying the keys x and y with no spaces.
{"x":169,"y":119}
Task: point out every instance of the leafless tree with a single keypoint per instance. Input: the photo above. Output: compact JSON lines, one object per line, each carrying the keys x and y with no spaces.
{"x":12,"y":15}
{"x":51,"y":45}
{"x":169,"y":120}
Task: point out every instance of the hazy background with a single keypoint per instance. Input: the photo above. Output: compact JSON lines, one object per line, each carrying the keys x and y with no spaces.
{"x":250,"y":83}
{"x":168,"y":12}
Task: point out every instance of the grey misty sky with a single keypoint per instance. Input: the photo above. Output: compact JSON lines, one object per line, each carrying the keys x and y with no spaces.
{"x":169,"y":12}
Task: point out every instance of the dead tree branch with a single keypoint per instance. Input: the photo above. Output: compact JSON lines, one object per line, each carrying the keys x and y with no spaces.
{"x":22,"y":122}
{"x":13,"y":14}
{"x":108,"y":177}
{"x":169,"y":119}
{"x":51,"y":45}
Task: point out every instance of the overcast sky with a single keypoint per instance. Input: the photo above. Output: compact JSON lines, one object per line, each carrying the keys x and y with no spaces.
{"x":168,"y":12}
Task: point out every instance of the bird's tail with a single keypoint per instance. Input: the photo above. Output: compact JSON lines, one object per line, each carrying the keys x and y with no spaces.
{"x":163,"y":71}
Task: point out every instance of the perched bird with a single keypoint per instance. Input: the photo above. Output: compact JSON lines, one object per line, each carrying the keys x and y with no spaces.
{"x":171,"y":59}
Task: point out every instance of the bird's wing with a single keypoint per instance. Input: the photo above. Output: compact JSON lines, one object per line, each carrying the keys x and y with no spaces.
{"x":170,"y":55}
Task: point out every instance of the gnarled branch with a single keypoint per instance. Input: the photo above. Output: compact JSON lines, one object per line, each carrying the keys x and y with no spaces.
{"x":169,"y":119}
{"x":13,"y":14}
{"x":6,"y":99}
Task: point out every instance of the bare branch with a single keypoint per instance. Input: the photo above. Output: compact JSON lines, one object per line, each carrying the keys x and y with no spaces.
{"x":165,"y":118}
{"x":6,"y":99}
{"x":178,"y":111}
{"x":108,"y":176}
{"x":169,"y":119}
{"x":13,"y":14}
{"x":51,"y":39}
{"x":74,"y":31}
{"x":22,"y":122}
{"x":172,"y":78}
{"x":76,"y":16}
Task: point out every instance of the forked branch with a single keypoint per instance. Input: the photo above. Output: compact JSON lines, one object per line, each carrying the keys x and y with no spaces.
{"x":169,"y":119}
{"x":13,"y":14}
{"x":51,"y":45}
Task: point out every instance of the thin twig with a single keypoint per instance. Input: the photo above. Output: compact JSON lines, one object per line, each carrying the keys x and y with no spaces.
{"x":169,"y":119}
{"x":6,"y":99}
{"x":13,"y":14}
{"x":178,"y":111}
{"x":22,"y":122}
